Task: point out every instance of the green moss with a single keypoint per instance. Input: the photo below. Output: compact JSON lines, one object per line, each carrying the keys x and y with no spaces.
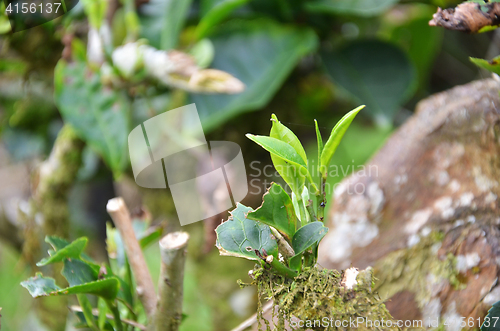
{"x":317,"y":295}
{"x":416,"y":269}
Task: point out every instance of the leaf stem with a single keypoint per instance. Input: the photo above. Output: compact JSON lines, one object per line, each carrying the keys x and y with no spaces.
{"x":116,"y":315}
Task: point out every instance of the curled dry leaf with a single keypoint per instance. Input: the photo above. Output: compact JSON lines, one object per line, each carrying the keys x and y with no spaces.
{"x":468,"y":17}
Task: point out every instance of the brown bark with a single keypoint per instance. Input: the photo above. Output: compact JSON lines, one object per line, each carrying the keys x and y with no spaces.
{"x":424,"y":211}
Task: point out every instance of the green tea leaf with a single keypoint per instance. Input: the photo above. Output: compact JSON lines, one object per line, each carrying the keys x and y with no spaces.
{"x":307,"y":235}
{"x":320,"y":141}
{"x":492,"y":66}
{"x":335,"y":137}
{"x":280,"y":149}
{"x":289,"y":172}
{"x":240,"y":236}
{"x":363,"y":8}
{"x":70,"y":251}
{"x":277,"y":211}
{"x":99,"y":114}
{"x":281,"y":132}
{"x":216,"y":14}
{"x":378,"y":74}
{"x":260,"y":53}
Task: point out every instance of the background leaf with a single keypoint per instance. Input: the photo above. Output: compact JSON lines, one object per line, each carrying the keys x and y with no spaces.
{"x":378,"y":74}
{"x":162,"y":20}
{"x":260,"y":53}
{"x":238,"y":233}
{"x":277,"y":211}
{"x":99,"y":115}
{"x":216,"y":13}
{"x":351,"y":7}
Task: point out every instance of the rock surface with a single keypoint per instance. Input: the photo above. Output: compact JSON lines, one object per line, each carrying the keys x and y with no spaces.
{"x":426,"y":216}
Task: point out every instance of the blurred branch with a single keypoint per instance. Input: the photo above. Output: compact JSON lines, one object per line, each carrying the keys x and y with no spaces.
{"x":173,"y":249}
{"x":121,"y":217}
{"x":56,"y":177}
{"x":468,"y":17}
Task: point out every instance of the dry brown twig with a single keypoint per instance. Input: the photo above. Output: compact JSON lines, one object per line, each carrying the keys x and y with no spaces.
{"x":468,"y":17}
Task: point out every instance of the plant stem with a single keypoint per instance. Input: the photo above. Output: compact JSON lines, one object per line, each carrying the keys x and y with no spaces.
{"x":173,"y":249}
{"x":322,"y":200}
{"x":282,"y":269}
{"x":310,"y":210}
{"x":121,"y":217}
{"x":116,"y":315}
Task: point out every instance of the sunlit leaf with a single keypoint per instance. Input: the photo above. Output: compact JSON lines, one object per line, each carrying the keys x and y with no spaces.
{"x":335,"y":137}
